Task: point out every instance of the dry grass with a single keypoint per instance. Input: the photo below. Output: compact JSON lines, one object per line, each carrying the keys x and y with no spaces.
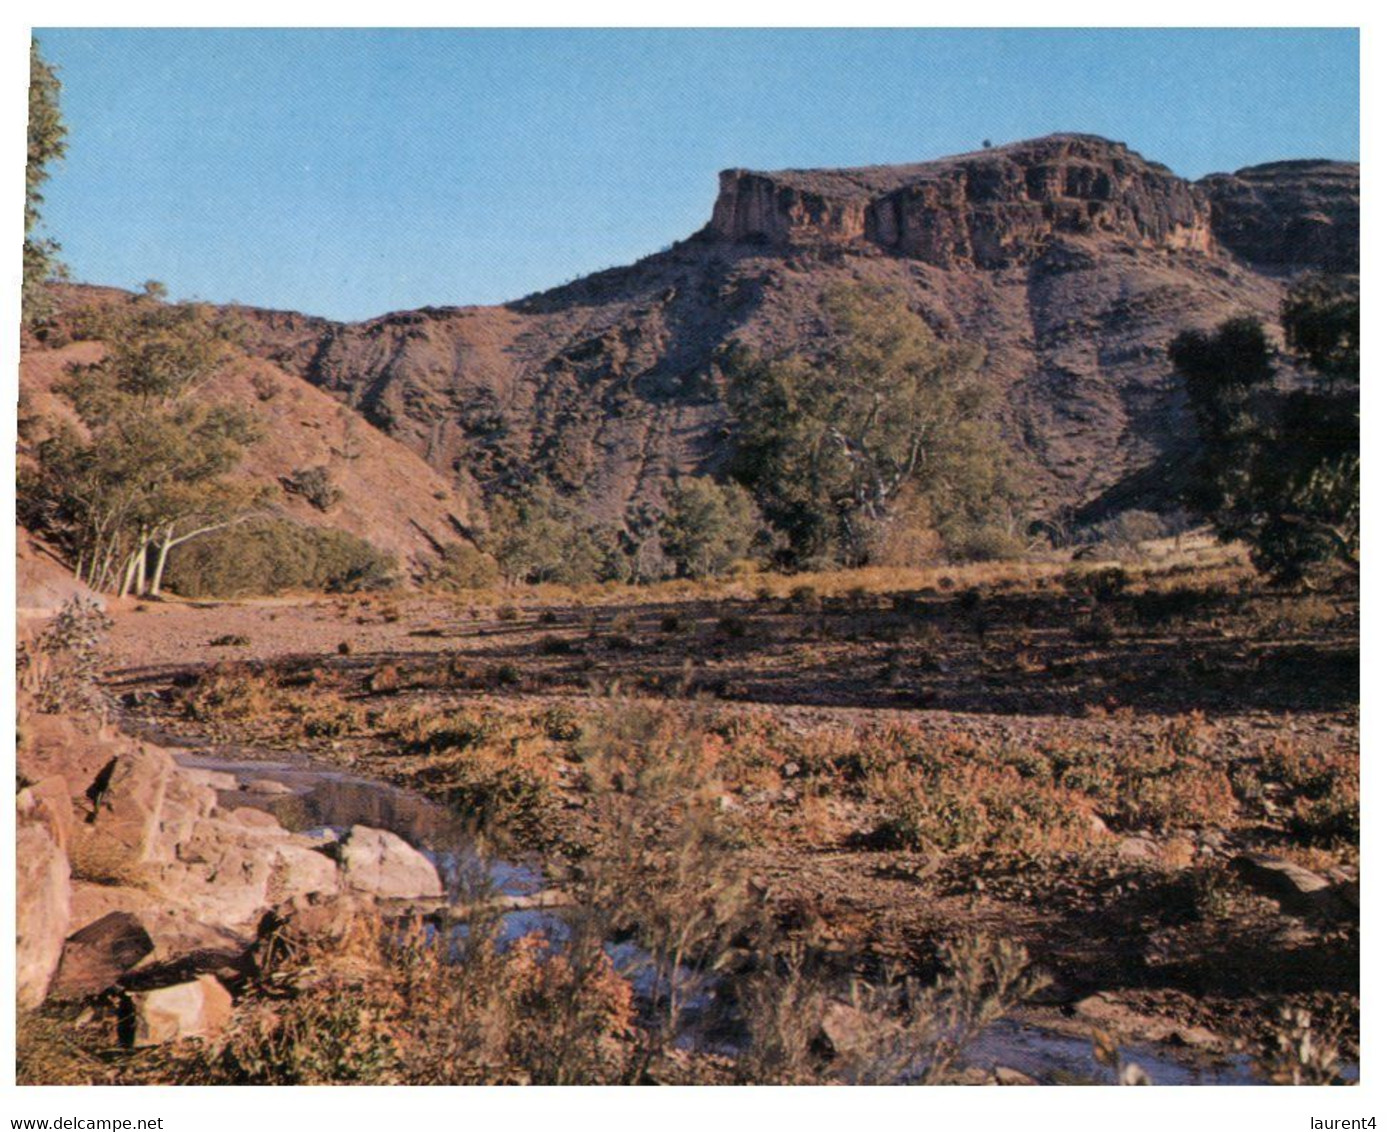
{"x":386,"y":1004}
{"x":508,"y":603}
{"x":100,"y":861}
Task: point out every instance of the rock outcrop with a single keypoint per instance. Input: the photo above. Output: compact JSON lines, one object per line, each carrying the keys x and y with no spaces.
{"x":988,"y":209}
{"x":130,"y":866}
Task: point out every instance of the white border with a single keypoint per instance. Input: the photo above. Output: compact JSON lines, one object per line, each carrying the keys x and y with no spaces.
{"x":781,"y":1109}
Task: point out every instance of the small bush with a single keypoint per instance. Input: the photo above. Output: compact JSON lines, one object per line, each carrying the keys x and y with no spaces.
{"x":733,"y":628}
{"x":987,"y":544}
{"x":60,"y":666}
{"x":315,"y":486}
{"x":230,"y":691}
{"x":461,"y":566}
{"x":385,"y":680}
{"x":1123,"y":534}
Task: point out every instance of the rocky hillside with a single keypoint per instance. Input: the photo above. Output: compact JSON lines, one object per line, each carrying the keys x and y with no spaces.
{"x":1072,"y":259}
{"x":387,"y":494}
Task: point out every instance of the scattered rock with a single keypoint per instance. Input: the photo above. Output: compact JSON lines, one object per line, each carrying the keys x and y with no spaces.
{"x":1138,"y":849}
{"x":378,"y":862}
{"x":215,"y":779}
{"x":95,"y":957}
{"x":1212,"y":838}
{"x":1005,"y":1076}
{"x":268,"y":786}
{"x":1178,"y":852}
{"x":1196,"y":1037}
{"x":1297,"y":890}
{"x":842,"y":1027}
{"x":200,"y":1008}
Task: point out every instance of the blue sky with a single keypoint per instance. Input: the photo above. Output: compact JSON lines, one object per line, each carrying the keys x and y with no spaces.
{"x":349,"y":173}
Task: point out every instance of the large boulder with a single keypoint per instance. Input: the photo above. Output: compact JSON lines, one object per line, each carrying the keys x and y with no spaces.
{"x":187,"y":801}
{"x":48,"y":803}
{"x":130,"y":804}
{"x":300,"y":871}
{"x":222,"y":872}
{"x":178,"y":936}
{"x":43,"y":909}
{"x":58,"y":745}
{"x":200,"y":1008}
{"x":378,"y":862}
{"x":96,"y":956}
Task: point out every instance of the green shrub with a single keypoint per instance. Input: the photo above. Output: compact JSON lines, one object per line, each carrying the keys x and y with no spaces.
{"x":461,"y":566}
{"x":274,"y":556}
{"x":708,"y":526}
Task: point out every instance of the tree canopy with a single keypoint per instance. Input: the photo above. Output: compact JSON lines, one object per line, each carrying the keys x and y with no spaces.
{"x":147,"y":471}
{"x":833,"y":443}
{"x":47,"y":144}
{"x":707,"y":526}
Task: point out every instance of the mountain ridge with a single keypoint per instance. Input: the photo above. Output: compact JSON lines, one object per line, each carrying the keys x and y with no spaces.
{"x":1071,"y":259}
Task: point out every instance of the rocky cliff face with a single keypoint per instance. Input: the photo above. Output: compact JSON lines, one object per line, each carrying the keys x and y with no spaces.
{"x":1073,"y":260}
{"x":988,"y":209}
{"x":1289,"y":215}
